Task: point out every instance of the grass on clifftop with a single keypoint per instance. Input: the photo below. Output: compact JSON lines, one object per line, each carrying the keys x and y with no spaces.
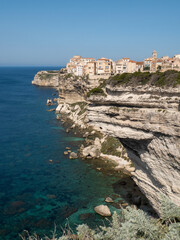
{"x":169,"y":78}
{"x":46,"y":76}
{"x":53,"y":71}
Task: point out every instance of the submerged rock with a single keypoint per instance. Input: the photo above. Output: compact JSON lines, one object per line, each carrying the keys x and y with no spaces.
{"x":73,"y":155}
{"x":109,"y":200}
{"x":51,"y":110}
{"x":85,"y":216}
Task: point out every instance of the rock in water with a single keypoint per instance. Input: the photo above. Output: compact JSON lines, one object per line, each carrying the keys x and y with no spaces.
{"x":73,"y":155}
{"x":49,"y":102}
{"x":109,"y":200}
{"x":103,"y":210}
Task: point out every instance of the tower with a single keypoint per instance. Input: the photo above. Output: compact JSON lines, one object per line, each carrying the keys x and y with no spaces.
{"x":154,"y":54}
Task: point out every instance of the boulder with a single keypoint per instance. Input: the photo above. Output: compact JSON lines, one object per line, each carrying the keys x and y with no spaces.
{"x":103,"y":210}
{"x":73,"y":155}
{"x":51,"y":110}
{"x":109,"y":200}
{"x":86,"y":134}
{"x":49,"y":102}
{"x":92,"y":151}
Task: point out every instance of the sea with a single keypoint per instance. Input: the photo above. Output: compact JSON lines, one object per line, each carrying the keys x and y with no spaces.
{"x":41,"y":189}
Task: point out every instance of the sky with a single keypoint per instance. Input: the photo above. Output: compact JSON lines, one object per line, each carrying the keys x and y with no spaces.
{"x":50,"y":32}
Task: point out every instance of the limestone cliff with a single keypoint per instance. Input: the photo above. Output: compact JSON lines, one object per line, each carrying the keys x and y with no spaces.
{"x":142,"y":110}
{"x":146,"y":119}
{"x":46,"y":79}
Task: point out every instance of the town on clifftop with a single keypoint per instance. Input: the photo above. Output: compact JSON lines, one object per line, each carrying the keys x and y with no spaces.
{"x":80,"y":66}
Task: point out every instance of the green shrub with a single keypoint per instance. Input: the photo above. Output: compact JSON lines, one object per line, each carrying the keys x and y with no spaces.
{"x":46,"y":76}
{"x":159,"y":79}
{"x":131,"y":224}
{"x":68,"y":75}
{"x":110,"y":145}
{"x":96,"y":91}
{"x":53,"y":71}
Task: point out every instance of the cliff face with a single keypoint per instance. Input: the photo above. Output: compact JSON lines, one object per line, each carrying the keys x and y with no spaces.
{"x":144,"y":117}
{"x":147,"y":121}
{"x":71,"y":88}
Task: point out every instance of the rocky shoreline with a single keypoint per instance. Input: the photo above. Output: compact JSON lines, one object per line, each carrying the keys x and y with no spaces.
{"x":90,"y":152}
{"x":135,"y":127}
{"x":95,"y":139}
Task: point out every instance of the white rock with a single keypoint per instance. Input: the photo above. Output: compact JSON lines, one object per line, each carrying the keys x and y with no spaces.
{"x":103,"y":210}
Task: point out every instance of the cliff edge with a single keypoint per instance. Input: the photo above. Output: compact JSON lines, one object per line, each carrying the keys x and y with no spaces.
{"x":146,"y":119}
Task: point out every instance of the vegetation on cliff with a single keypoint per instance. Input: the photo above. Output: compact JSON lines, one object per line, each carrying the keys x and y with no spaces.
{"x":110,"y":146}
{"x":96,"y":91}
{"x":169,"y":78}
{"x":47,"y":76}
{"x":130,"y":224}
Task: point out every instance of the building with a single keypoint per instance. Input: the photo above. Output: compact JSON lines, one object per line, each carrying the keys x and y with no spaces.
{"x":154,"y":54}
{"x":125,"y":65}
{"x":90,"y":68}
{"x":77,"y":65}
{"x":150,"y":63}
{"x":139,"y":66}
{"x":104,"y":66}
{"x":120,"y":66}
{"x":177,"y":56}
{"x":131,"y":66}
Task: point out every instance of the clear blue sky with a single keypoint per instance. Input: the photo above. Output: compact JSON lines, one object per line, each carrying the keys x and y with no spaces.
{"x":49,"y":32}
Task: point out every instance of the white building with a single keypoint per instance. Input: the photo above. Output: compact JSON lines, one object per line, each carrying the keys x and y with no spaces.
{"x":79,"y":70}
{"x":177,"y":56}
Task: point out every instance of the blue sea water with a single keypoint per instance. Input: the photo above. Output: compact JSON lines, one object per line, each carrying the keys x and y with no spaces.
{"x":36,"y":193}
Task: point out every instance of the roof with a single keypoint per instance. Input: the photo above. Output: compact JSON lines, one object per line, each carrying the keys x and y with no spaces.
{"x":103,"y":59}
{"x":132,"y":61}
{"x":148,"y":59}
{"x":91,"y":62}
{"x":139,"y":63}
{"x":88,"y":58}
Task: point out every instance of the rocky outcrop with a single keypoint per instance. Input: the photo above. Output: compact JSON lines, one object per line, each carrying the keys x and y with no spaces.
{"x":96,"y":148}
{"x":46,"y":79}
{"x":73,"y":155}
{"x":147,"y":122}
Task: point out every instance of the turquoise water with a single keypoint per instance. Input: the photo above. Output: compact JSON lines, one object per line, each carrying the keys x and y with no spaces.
{"x":36,"y":193}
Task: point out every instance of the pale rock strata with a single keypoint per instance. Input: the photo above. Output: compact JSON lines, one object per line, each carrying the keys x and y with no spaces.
{"x":147,"y":121}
